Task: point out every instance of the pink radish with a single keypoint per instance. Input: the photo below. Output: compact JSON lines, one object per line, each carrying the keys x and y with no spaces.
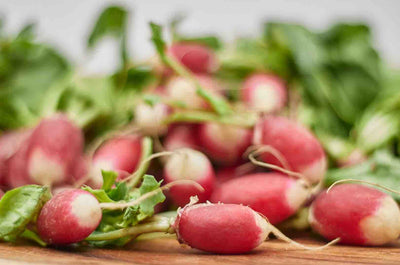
{"x":120,"y":154}
{"x":356,"y":214}
{"x":264,"y":92}
{"x":10,"y":142}
{"x":226,"y":174}
{"x":274,"y":195}
{"x":52,"y":152}
{"x":183,"y":90}
{"x":181,"y":136}
{"x":297,"y":146}
{"x":193,"y":165}
{"x":224,"y":144}
{"x":69,"y":217}
{"x":149,"y":119}
{"x":196,"y":57}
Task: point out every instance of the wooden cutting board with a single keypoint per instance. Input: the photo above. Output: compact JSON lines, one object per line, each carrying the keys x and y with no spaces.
{"x":168,"y":251}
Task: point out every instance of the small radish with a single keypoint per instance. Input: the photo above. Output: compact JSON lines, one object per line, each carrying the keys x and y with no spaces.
{"x":264,"y":92}
{"x":52,"y":151}
{"x":183,"y":90}
{"x":226,"y":174}
{"x":10,"y":142}
{"x":197,"y":58}
{"x":121,"y":154}
{"x":149,"y":119}
{"x":225,"y":228}
{"x":181,"y":136}
{"x":69,"y":217}
{"x":192,"y":165}
{"x":297,"y":146}
{"x":274,"y":195}
{"x":356,"y":214}
{"x":224,"y":144}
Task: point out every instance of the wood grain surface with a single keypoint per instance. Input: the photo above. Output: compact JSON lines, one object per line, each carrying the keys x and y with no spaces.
{"x":168,"y":251}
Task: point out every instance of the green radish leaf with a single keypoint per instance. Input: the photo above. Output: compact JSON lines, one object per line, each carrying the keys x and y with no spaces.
{"x":109,"y":178}
{"x":101,"y":195}
{"x":32,"y":236}
{"x":19,"y":207}
{"x":150,"y":184}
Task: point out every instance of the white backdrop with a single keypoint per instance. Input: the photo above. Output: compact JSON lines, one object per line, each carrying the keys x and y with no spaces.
{"x":65,"y":23}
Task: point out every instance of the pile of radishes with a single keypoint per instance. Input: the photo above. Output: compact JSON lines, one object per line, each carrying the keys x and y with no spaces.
{"x":253,"y":175}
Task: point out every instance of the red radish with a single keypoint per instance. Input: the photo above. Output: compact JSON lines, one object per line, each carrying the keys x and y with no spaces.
{"x":197,"y":58}
{"x":357,"y":214}
{"x":149,"y":119}
{"x":17,"y":174}
{"x":227,"y":173}
{"x":274,"y":195}
{"x":181,"y":136}
{"x":183,"y":90}
{"x":121,"y":154}
{"x":69,"y":217}
{"x":193,"y":165}
{"x":1,"y":193}
{"x":298,"y":147}
{"x":10,"y":142}
{"x":224,"y":144}
{"x":264,"y":92}
{"x":53,"y":149}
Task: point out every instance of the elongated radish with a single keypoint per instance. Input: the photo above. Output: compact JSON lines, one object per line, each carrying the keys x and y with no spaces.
{"x":298,"y":147}
{"x":197,"y":58}
{"x":225,"y":228}
{"x":181,"y":136}
{"x":224,"y":144}
{"x":264,"y":92}
{"x":52,"y":150}
{"x":120,"y":154}
{"x":149,"y":119}
{"x":359,"y":215}
{"x":69,"y":217}
{"x":193,"y":165}
{"x":183,"y":90}
{"x":274,"y":195}
{"x":10,"y":142}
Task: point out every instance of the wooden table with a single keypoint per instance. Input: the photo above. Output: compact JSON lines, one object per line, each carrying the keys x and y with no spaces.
{"x":168,"y":251}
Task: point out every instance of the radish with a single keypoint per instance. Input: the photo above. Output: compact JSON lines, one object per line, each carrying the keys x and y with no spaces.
{"x":52,"y":151}
{"x":196,"y":57}
{"x":121,"y":154}
{"x":181,"y":136}
{"x":225,"y":228}
{"x":225,"y":174}
{"x":272,"y":194}
{"x":224,"y":144}
{"x":10,"y":142}
{"x":294,"y":147}
{"x":356,"y":214}
{"x":264,"y":92}
{"x":192,"y":165}
{"x":149,"y":119}
{"x":1,"y":193}
{"x":69,"y":217}
{"x":183,"y":90}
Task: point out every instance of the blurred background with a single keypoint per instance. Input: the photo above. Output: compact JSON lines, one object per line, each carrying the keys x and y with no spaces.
{"x":66,"y":24}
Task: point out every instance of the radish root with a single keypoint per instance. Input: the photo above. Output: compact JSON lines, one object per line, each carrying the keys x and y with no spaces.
{"x":362,"y":181}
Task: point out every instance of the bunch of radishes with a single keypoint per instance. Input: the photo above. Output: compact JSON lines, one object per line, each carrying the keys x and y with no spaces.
{"x":253,"y":174}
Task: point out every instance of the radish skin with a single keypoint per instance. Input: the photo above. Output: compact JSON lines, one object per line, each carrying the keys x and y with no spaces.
{"x":149,"y":119}
{"x":274,"y":195}
{"x":192,"y":165}
{"x":296,"y":144}
{"x":181,"y":136}
{"x":183,"y":90}
{"x":264,"y":93}
{"x":224,"y":144}
{"x":359,"y":215}
{"x":221,"y":228}
{"x":69,"y":217}
{"x":197,"y":58}
{"x":120,"y":154}
{"x":1,"y":193}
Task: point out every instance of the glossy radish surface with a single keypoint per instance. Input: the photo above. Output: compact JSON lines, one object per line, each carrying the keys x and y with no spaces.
{"x":358,"y":214}
{"x":274,"y":195}
{"x":192,"y":165}
{"x":69,"y":217}
{"x":182,"y":136}
{"x":298,"y":147}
